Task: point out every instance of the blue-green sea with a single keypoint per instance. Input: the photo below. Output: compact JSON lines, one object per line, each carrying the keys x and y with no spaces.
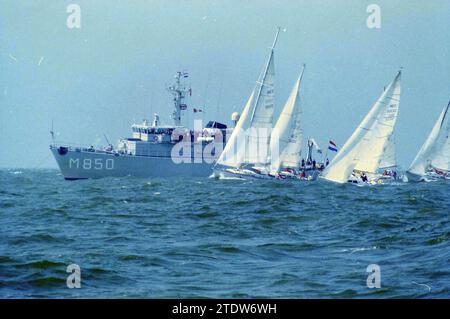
{"x":183,"y":238}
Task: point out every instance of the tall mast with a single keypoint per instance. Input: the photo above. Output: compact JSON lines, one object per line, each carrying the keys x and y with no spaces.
{"x":179,"y":94}
{"x":309,"y":158}
{"x":265,"y":71}
{"x":445,"y":114}
{"x":260,"y":83}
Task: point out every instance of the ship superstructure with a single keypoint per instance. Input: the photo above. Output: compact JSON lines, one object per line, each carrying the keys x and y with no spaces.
{"x":153,"y":150}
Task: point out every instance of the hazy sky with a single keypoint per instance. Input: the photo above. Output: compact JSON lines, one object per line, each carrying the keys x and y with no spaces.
{"x":113,"y":70}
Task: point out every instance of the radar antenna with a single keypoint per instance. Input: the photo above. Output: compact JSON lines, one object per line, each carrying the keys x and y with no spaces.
{"x":179,"y":93}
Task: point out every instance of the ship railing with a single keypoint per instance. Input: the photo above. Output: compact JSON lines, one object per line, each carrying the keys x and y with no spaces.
{"x":168,"y":154}
{"x":99,"y":149}
{"x":82,"y":147}
{"x":103,"y":150}
{"x":149,"y":153}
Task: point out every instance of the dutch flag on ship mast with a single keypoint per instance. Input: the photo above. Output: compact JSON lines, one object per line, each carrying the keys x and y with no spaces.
{"x":332,"y":146}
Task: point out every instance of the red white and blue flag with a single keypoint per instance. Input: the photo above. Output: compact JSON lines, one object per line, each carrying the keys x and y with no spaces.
{"x":332,"y":146}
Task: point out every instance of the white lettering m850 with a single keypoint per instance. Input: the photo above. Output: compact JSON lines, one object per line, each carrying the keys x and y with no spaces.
{"x":88,"y":163}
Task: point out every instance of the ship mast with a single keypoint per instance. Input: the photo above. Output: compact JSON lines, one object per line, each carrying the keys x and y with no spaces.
{"x":179,"y":94}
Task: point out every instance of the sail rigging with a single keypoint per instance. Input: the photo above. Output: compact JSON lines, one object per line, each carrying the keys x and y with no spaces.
{"x":286,"y":138}
{"x":258,"y":137}
{"x":249,"y":142}
{"x":234,"y":151}
{"x":364,"y":150}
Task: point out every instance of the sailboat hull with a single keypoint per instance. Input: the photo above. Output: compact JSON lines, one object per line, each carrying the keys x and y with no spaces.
{"x":437,"y":175}
{"x":430,"y":176}
{"x":243,"y":174}
{"x":236,"y":173}
{"x":414,"y":178}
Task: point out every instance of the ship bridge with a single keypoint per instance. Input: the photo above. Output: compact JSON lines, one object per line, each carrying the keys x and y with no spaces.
{"x":151,"y":133}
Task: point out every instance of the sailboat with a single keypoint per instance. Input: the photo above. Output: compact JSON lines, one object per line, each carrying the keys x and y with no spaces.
{"x":360,"y":159}
{"x":433,"y":160}
{"x":247,"y":150}
{"x":287,"y":140}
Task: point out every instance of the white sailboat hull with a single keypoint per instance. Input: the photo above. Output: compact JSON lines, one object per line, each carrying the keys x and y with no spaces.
{"x":235,"y":173}
{"x":240,"y":173}
{"x":429,"y":176}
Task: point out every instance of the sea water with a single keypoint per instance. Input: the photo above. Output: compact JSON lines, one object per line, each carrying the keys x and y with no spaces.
{"x":201,"y":237}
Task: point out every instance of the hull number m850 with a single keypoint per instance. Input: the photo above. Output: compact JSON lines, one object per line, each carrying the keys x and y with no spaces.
{"x":89,"y":163}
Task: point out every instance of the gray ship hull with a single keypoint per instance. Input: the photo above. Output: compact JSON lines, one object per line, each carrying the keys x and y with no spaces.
{"x":84,"y":164}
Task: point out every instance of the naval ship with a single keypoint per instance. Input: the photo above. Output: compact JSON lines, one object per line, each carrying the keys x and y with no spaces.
{"x":154,"y":150}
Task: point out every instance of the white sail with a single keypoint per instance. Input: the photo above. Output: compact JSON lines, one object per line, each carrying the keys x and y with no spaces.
{"x":364,"y":149}
{"x":430,"y":149}
{"x":234,"y":152}
{"x":389,"y":159}
{"x":441,"y":160}
{"x":257,"y":150}
{"x":257,"y":115}
{"x":286,"y":138}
